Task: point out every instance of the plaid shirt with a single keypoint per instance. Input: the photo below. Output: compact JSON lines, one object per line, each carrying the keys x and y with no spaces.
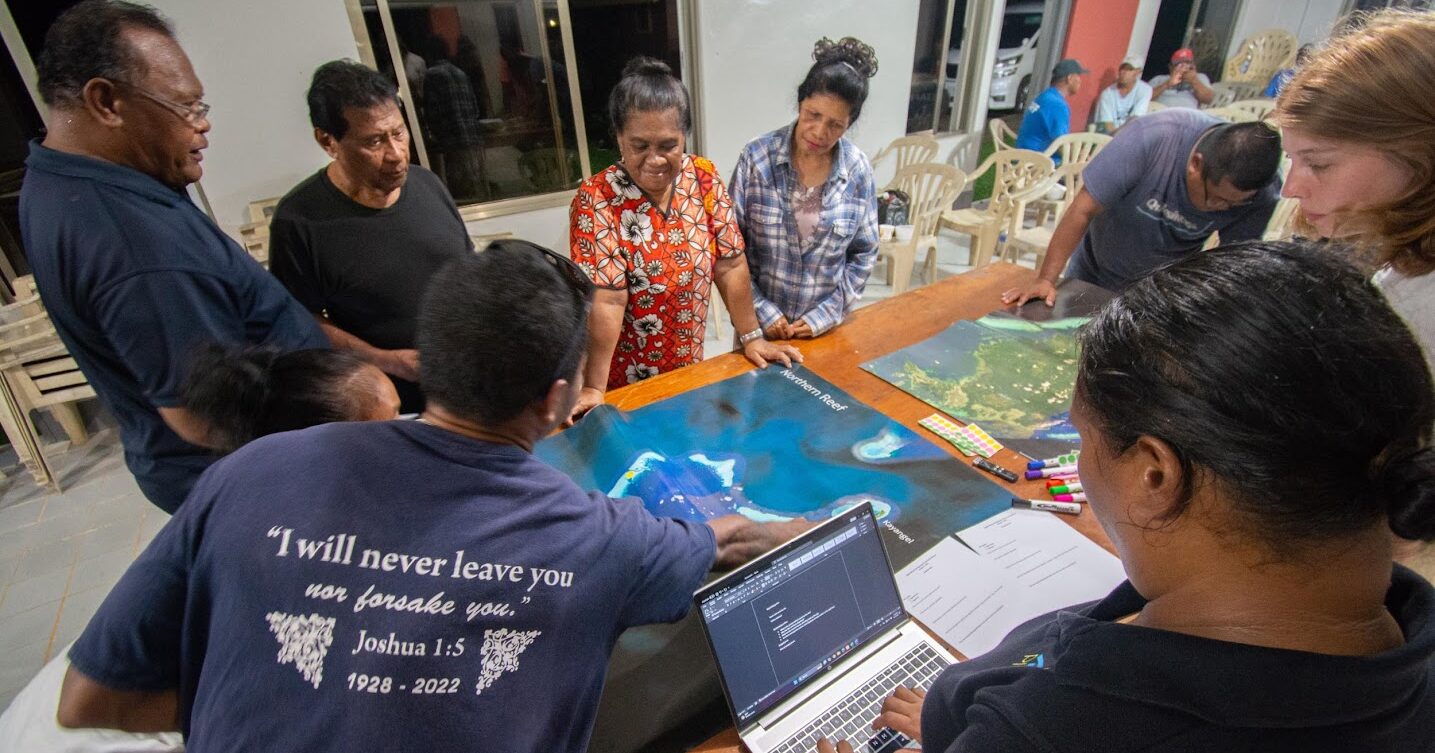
{"x":821,"y":281}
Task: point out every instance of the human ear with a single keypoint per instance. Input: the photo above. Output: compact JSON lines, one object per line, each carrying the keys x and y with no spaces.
{"x":1160,"y":477}
{"x":327,"y":142}
{"x":98,"y":96}
{"x":558,"y":403}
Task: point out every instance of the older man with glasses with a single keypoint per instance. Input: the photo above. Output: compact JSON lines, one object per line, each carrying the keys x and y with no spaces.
{"x":1155,"y":194}
{"x":133,"y":274}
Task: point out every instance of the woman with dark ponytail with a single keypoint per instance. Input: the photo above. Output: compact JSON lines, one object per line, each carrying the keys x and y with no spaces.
{"x":806,"y":201}
{"x":1255,"y":423}
{"x":246,"y":392}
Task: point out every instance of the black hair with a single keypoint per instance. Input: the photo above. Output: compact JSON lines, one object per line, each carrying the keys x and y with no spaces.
{"x":340,"y":84}
{"x":1246,"y":153}
{"x":497,"y":328}
{"x":246,"y":392}
{"x":1278,"y":371}
{"x":842,"y":70}
{"x":87,"y":42}
{"x":648,"y":85}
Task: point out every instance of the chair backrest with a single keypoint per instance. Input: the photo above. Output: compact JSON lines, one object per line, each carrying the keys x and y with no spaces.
{"x":911,"y":150}
{"x":1222,"y":94}
{"x":1003,"y":137}
{"x":1232,"y":114}
{"x":1077,"y":147}
{"x":1021,"y":176}
{"x":964,"y":152}
{"x":1261,"y":55}
{"x":1282,"y":221}
{"x":1259,"y":108}
{"x":932,"y":188}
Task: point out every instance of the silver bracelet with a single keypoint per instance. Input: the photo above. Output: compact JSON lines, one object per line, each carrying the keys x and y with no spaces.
{"x":750,"y":336}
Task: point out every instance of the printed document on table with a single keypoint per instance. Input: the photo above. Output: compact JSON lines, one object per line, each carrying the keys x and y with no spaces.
{"x":1048,"y":557}
{"x":1021,"y":564}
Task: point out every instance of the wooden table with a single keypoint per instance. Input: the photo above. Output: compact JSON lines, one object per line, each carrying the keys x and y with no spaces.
{"x":837,"y":356}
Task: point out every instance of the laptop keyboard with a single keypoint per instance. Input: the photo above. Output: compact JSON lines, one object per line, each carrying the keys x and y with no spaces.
{"x":851,"y":718}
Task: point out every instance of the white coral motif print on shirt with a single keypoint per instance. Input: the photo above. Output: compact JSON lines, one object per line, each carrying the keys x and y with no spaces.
{"x":500,"y":653}
{"x":303,"y":642}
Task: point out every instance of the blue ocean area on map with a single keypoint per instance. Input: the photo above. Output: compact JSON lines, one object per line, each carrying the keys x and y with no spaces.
{"x":776,"y":444}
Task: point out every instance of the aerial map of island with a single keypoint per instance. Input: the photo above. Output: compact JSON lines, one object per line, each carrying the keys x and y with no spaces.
{"x":776,"y":444}
{"x":1013,"y":377}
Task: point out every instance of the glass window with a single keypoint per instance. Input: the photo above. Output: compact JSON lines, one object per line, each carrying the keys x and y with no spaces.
{"x":936,"y":85}
{"x":489,"y":84}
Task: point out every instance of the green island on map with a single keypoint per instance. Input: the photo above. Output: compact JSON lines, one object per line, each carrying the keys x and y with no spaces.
{"x":1012,"y":377}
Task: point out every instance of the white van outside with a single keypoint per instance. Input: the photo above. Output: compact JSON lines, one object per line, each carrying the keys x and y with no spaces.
{"x":1015,"y":59}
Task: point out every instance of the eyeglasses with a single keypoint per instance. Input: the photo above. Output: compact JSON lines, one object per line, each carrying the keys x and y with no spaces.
{"x":1221,"y":204}
{"x":190,"y":113}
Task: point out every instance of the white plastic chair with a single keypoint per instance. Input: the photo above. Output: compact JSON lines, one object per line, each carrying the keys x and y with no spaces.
{"x":1260,"y":56}
{"x":909,"y":150}
{"x":1015,"y":170}
{"x":932,"y":189}
{"x":1259,"y":108}
{"x":1003,"y":137}
{"x":1076,"y":151}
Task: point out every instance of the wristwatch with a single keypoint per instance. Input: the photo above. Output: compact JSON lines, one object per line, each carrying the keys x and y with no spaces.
{"x":750,"y":336}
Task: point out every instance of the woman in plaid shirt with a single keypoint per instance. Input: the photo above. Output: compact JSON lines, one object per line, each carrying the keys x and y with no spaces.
{"x":805,"y":201}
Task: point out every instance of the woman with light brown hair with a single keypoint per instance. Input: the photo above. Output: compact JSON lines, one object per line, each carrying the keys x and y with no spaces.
{"x":1358,"y":121}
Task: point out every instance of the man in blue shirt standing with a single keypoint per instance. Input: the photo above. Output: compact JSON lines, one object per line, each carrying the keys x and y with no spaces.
{"x":1048,"y":116}
{"x":132,"y":273}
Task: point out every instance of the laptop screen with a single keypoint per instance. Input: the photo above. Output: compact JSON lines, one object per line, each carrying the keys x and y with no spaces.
{"x":788,"y":617}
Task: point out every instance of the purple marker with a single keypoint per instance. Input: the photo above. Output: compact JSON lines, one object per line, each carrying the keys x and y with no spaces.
{"x":1049,"y":472}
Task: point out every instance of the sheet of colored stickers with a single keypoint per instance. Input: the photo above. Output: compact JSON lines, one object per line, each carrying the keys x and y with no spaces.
{"x":970,"y":439}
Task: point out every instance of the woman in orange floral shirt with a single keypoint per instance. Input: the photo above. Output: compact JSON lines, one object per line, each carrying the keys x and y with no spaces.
{"x":655,"y":232}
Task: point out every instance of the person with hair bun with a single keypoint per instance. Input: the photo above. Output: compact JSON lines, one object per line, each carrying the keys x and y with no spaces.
{"x":1358,"y":121}
{"x":1249,"y":450}
{"x":806,"y":202}
{"x":247,"y":392}
{"x":655,"y":233}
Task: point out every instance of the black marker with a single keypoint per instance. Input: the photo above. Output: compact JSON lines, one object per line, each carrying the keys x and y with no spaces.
{"x":994,"y":469}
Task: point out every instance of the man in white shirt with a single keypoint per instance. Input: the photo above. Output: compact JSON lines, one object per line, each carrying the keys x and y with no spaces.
{"x":1186,"y":86}
{"x":1128,"y":98}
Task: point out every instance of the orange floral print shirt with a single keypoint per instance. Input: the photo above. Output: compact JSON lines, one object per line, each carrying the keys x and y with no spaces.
{"x":665,"y":262}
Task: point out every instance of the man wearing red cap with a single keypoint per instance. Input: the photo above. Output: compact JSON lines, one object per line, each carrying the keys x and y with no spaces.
{"x":1185,"y":87}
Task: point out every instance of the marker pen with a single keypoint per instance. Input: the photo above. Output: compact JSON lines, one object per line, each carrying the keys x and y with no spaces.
{"x":1069,"y":487}
{"x":1067,"y":459}
{"x":1049,"y":472}
{"x":1077,"y":497}
{"x":1064,"y":478}
{"x":1070,"y":508}
{"x":995,"y":469}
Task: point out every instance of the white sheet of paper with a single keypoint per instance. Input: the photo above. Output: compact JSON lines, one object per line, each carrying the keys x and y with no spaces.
{"x":1025,"y":564}
{"x":1046,"y":555}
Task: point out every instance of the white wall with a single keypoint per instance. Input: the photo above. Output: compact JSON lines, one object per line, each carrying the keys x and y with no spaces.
{"x":546,"y":227}
{"x":1141,"y":29}
{"x":754,"y":53}
{"x":256,"y":58}
{"x":1309,"y":20}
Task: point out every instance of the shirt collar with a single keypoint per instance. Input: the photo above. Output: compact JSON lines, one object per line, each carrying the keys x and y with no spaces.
{"x":45,"y":159}
{"x":781,"y":149}
{"x":1240,"y":685}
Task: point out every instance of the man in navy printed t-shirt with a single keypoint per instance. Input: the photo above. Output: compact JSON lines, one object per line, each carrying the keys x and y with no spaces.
{"x":405,"y":585}
{"x":133,"y":275}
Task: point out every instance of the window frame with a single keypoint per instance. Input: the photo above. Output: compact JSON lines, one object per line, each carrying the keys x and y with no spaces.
{"x":487,"y":210}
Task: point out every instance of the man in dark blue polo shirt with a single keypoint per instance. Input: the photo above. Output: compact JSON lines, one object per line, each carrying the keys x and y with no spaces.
{"x":132,"y":273}
{"x":1049,"y":116}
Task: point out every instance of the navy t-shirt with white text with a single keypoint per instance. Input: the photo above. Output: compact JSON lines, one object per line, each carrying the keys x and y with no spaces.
{"x":389,"y":586}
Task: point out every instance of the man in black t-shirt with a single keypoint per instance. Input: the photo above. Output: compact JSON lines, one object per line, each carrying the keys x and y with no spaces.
{"x":357,"y":241}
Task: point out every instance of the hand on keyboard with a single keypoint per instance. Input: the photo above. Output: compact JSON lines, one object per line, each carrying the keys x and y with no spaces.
{"x":902,"y":711}
{"x":885,"y":741}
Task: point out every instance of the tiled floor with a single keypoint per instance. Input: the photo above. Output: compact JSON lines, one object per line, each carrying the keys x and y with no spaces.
{"x":61,"y":553}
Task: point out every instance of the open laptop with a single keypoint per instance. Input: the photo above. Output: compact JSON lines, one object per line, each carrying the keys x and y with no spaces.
{"x":812,"y":637}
